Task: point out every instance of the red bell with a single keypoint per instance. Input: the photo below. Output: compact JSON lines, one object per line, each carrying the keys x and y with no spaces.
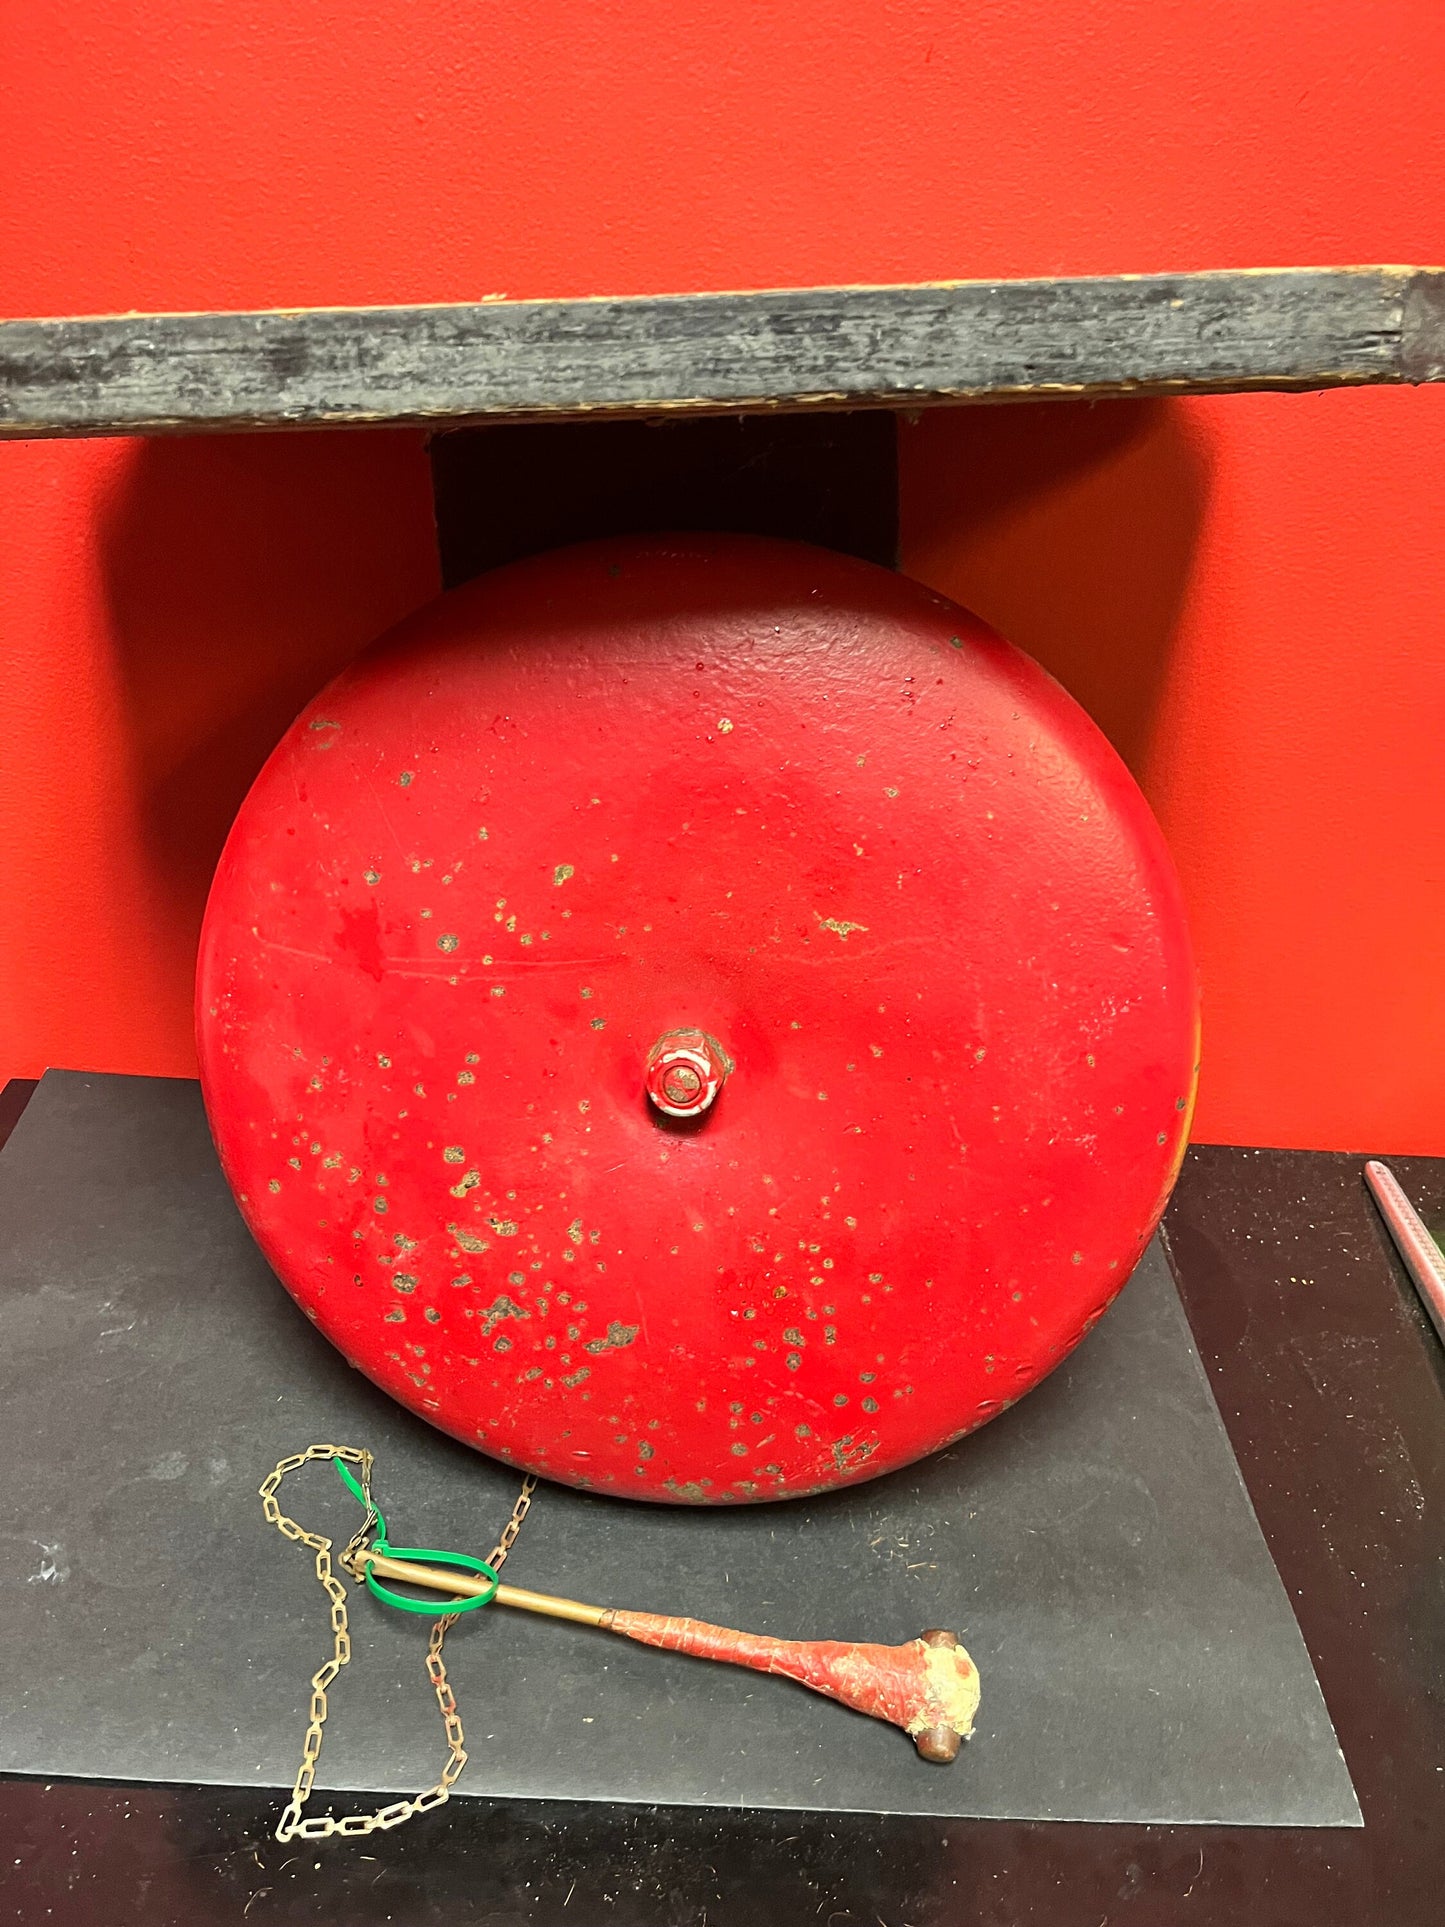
{"x":698,"y":1018}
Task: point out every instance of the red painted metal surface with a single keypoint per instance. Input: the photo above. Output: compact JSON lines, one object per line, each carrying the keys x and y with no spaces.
{"x":790,"y":800}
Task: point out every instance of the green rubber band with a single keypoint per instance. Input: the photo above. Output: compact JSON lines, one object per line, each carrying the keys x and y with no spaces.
{"x":353,"y":1486}
{"x":428,"y":1556}
{"x":425,"y":1555}
{"x":349,"y":1480}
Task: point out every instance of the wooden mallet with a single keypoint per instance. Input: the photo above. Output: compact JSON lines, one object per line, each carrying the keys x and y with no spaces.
{"x":929,"y":1686}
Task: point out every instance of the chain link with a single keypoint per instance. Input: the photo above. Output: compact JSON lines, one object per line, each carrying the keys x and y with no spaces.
{"x":353,"y":1561}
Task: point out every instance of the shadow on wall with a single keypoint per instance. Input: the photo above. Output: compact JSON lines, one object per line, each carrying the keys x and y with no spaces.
{"x":241,"y":574}
{"x":1071,"y":527}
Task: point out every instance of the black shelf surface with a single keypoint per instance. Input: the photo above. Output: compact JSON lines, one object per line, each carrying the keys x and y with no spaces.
{"x":1333,"y":1389}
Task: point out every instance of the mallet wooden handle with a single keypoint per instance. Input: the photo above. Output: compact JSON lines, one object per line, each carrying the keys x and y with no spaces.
{"x":929,"y":1687}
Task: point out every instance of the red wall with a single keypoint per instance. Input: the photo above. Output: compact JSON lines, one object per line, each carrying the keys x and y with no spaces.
{"x":165,"y":609}
{"x":1246,"y":591}
{"x":1249,"y":595}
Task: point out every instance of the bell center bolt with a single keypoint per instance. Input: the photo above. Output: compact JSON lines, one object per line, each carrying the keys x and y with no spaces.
{"x":685,"y":1071}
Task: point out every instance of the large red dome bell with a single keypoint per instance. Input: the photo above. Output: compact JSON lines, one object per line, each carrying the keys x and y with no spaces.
{"x":699,"y":1018}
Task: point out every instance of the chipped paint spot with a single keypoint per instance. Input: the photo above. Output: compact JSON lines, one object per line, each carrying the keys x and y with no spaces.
{"x":468,"y":1182}
{"x":689,"y":1491}
{"x":725,"y":726}
{"x":617,"y":1336}
{"x":448,"y":940}
{"x":454,"y":1154}
{"x":840,"y":927}
{"x":403,"y":1281}
{"x":562,"y":872}
{"x":849,"y":1453}
{"x":407,"y":778}
{"x":501,"y":1307}
{"x":466,"y":1240}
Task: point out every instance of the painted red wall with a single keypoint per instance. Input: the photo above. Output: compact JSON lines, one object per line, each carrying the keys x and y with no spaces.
{"x":312,"y":151}
{"x":1245,"y":591}
{"x":165,"y":610}
{"x":1248,"y":594}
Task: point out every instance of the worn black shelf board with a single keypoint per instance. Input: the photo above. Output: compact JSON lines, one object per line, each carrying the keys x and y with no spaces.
{"x":901,"y":347}
{"x":1333,"y":1390}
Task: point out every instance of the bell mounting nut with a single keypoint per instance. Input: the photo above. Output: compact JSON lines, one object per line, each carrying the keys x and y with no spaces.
{"x":685,"y":1072}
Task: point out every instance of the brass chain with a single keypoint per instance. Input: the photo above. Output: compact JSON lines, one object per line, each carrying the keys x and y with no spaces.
{"x":352,"y":1561}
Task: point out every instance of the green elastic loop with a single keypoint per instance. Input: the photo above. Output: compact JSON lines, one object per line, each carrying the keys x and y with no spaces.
{"x":427,"y":1556}
{"x":353,"y":1486}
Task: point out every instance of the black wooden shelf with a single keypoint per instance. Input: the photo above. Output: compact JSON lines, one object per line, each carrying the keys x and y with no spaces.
{"x":899,"y":347}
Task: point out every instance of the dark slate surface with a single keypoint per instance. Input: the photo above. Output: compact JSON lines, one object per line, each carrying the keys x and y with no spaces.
{"x":1095,"y":1547}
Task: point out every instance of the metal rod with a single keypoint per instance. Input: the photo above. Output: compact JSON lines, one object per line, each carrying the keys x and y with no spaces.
{"x":467,"y":1586}
{"x":1423,"y":1258}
